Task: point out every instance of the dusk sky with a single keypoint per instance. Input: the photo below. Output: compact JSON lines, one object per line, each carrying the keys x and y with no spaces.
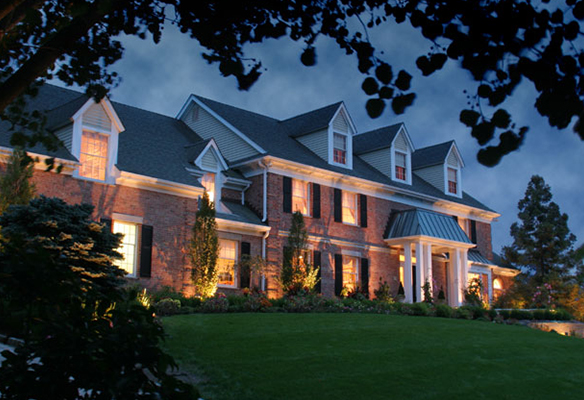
{"x":160,"y":78}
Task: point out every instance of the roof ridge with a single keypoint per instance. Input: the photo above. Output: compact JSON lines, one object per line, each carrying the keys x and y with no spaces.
{"x":337,"y":104}
{"x":204,"y":99}
{"x":436,"y":145}
{"x":378,"y":129}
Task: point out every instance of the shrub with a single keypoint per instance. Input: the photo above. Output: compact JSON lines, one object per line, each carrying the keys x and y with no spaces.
{"x":462,"y":313}
{"x":383,"y":293}
{"x":167,"y":307}
{"x":421,"y":309}
{"x":216,"y":304}
{"x":444,"y":311}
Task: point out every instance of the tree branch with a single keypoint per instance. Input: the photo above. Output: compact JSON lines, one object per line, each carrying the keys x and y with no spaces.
{"x":8,"y":6}
{"x":8,"y":24}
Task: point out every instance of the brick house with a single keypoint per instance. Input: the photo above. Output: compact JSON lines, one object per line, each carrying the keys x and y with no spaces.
{"x":376,"y":208}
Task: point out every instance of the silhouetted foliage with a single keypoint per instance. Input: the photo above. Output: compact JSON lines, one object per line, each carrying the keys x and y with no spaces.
{"x":15,"y":184}
{"x":500,"y":43}
{"x":85,"y":336}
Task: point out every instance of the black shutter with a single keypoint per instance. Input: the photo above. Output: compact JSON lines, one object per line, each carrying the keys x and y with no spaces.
{"x":287,"y":194}
{"x":363,"y":210}
{"x":315,"y":200}
{"x":365,"y":276}
{"x":338,"y":274}
{"x":244,"y":272}
{"x":316,"y":264}
{"x":338,"y":205}
{"x":107,"y":222}
{"x":146,"y":251}
{"x":473,"y":231}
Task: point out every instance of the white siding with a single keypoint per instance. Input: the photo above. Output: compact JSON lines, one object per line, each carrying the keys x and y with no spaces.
{"x":340,"y":123}
{"x":380,"y":160}
{"x":96,"y":117}
{"x":209,"y":160}
{"x":452,"y":159}
{"x":317,"y":142}
{"x":66,"y":136}
{"x":433,"y":175}
{"x":400,"y":143}
{"x":232,"y":146}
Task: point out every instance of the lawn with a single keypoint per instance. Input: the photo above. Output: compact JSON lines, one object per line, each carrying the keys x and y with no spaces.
{"x":367,"y":356}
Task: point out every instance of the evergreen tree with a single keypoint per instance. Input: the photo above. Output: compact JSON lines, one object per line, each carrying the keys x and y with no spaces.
{"x":297,"y":274}
{"x":15,"y":185}
{"x":205,"y":249}
{"x":542,"y":242}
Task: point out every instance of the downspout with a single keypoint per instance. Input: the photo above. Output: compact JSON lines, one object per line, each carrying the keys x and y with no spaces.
{"x":263,"y":277}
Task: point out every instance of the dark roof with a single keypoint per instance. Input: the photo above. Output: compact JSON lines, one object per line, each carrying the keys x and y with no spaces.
{"x":475,"y":256}
{"x":193,"y":150}
{"x":418,"y":222}
{"x":375,"y":140}
{"x":239,"y":213}
{"x":311,"y":121}
{"x":432,"y":155}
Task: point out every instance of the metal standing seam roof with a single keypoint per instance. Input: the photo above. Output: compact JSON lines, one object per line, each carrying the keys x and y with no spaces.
{"x":417,"y":222}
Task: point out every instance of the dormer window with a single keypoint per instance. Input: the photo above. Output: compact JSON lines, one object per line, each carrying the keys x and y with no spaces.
{"x":208,"y":182}
{"x":400,"y":166}
{"x":339,"y":148}
{"x":452,"y":181}
{"x":93,"y":155}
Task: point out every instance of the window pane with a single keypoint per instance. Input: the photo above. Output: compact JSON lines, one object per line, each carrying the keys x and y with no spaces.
{"x":93,"y":157}
{"x":349,"y":207}
{"x":300,"y":196}
{"x":226,"y":262}
{"x":339,"y":148}
{"x":349,"y":272}
{"x":400,"y":159}
{"x":127,"y":247}
{"x":208,"y":182}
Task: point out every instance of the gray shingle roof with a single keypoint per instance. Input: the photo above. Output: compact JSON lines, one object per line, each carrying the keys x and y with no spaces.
{"x":239,"y":213}
{"x":431,"y":155}
{"x":418,"y":222}
{"x":375,"y":140}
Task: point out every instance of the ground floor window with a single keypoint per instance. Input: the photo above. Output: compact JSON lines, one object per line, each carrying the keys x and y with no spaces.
{"x":350,"y":272}
{"x":226,"y":262}
{"x":128,"y":247}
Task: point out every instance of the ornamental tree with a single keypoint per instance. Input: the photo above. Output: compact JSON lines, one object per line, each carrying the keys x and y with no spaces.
{"x":500,"y":43}
{"x":297,"y":273}
{"x":85,"y":335}
{"x":15,"y":185}
{"x":542,"y":242}
{"x":204,"y":249}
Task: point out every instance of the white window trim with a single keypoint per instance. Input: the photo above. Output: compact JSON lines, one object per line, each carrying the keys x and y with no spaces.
{"x":408,"y":155}
{"x":357,"y":216}
{"x":113,"y":139}
{"x":236,"y":261}
{"x":130,"y":221}
{"x":357,"y":266}
{"x":331,"y":144}
{"x":458,"y":181}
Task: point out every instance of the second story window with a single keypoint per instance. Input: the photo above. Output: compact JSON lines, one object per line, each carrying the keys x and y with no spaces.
{"x":93,"y":156}
{"x":208,"y":182}
{"x":300,"y":196}
{"x":339,"y":148}
{"x":400,"y":166}
{"x":349,"y":208}
{"x":452,"y":181}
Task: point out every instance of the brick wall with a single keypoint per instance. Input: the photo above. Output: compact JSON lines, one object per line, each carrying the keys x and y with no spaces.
{"x":484,"y":240}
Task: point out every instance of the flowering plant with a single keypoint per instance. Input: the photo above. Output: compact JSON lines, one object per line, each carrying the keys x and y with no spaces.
{"x":543,"y":296}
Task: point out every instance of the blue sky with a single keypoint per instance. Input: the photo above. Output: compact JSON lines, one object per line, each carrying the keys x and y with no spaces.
{"x":160,"y":78}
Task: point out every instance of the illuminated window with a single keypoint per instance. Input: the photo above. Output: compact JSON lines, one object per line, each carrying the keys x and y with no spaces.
{"x":400,"y":166}
{"x":350,"y":272}
{"x":452,"y":181}
{"x":208,"y":182}
{"x":300,"y":197}
{"x":93,"y":157}
{"x":339,"y":148}
{"x":128,"y":247}
{"x":497,"y":284}
{"x":226,"y":262}
{"x":349,"y":208}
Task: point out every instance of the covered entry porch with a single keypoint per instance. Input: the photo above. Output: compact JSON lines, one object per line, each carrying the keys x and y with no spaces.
{"x":421,"y":236}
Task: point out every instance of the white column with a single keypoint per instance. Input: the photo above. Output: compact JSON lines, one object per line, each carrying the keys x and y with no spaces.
{"x":420,"y":266}
{"x":408,"y":272}
{"x":464,"y":269}
{"x":428,"y":261}
{"x":455,"y":294}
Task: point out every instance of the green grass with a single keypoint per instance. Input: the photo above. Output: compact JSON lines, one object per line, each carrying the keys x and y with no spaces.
{"x":364,"y":356}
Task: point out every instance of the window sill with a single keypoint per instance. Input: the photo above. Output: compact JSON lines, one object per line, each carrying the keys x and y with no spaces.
{"x":222,"y":286}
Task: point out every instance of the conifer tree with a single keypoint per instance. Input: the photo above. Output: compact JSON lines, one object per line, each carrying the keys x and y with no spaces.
{"x":542,"y":242}
{"x":15,"y":185}
{"x":297,"y":274}
{"x":205,"y":249}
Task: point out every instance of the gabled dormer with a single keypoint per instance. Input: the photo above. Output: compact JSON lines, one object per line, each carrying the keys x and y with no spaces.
{"x":90,"y":131}
{"x":328,"y":132}
{"x":208,"y":163}
{"x":440,"y":165}
{"x":389,"y":150}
